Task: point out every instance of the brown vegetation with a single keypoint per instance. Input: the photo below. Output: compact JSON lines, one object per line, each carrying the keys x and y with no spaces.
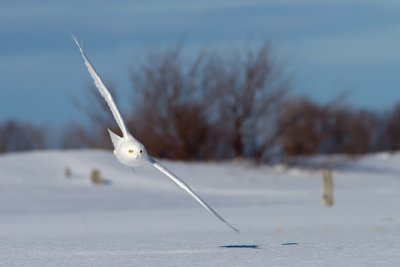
{"x":16,"y":136}
{"x":221,"y":107}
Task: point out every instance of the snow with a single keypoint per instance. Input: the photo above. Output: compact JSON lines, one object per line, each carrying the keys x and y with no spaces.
{"x":142,"y":219}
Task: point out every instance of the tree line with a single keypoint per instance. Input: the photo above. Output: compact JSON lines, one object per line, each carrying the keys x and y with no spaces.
{"x":214,"y":107}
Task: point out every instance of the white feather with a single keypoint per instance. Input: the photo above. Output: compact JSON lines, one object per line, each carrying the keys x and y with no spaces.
{"x":103,"y":90}
{"x":185,"y":187}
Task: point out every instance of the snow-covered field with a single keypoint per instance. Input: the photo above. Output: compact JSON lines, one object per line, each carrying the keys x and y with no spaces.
{"x":143,"y":219}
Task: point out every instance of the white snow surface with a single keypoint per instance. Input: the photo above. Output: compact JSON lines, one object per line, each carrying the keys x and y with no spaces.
{"x":142,"y":219}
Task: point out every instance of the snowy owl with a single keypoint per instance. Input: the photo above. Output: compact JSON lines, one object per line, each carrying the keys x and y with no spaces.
{"x":128,"y":150}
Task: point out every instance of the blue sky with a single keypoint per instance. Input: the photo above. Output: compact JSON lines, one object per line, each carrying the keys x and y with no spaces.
{"x":329,"y":46}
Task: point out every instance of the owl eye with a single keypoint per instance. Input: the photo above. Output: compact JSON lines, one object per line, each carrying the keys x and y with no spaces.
{"x":141,"y":151}
{"x":130,"y":151}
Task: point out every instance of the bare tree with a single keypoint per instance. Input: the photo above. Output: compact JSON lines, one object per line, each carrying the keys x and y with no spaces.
{"x":302,"y":123}
{"x":204,"y":108}
{"x":250,"y":90}
{"x":76,"y":136}
{"x":16,"y":136}
{"x":209,"y":107}
{"x":171,"y":114}
{"x":325,"y":129}
{"x":392,"y":129}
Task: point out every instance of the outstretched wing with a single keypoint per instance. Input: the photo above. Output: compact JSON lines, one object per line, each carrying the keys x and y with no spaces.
{"x":185,"y":187}
{"x":103,"y":90}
